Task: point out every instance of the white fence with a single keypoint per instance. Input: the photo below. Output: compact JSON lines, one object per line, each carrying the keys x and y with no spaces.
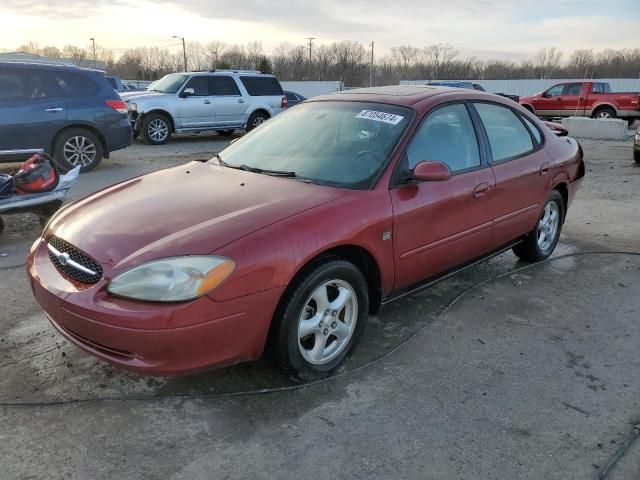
{"x":529,"y":87}
{"x":312,"y":89}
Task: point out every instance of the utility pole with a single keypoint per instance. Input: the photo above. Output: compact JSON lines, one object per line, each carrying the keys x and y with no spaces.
{"x":311,"y":39}
{"x":371,"y":67}
{"x":184,"y":51}
{"x":93,"y":40}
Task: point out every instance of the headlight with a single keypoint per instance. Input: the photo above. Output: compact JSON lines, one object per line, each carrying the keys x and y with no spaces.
{"x":173,"y":279}
{"x":133,"y":106}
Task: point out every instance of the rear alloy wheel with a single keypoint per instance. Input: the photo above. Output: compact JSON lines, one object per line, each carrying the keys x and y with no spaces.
{"x":77,"y":147}
{"x":256,"y":119}
{"x":605,"y":113}
{"x":322,"y":319}
{"x":156,"y":129}
{"x":542,"y":241}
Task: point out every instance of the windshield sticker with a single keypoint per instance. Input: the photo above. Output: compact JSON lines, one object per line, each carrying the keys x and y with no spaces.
{"x":380,"y":116}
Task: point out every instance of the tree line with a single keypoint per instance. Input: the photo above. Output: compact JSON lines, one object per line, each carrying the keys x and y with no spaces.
{"x":350,"y":62}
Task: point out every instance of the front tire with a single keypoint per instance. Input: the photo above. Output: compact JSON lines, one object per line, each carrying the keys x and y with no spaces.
{"x":156,"y":129}
{"x":320,"y":320}
{"x":77,"y":147}
{"x":541,"y":242}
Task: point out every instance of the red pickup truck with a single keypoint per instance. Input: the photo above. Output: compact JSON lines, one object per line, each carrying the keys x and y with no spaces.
{"x":583,"y":99}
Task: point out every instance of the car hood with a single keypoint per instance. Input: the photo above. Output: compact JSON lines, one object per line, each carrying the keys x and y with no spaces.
{"x":135,"y":96}
{"x":188,"y":210}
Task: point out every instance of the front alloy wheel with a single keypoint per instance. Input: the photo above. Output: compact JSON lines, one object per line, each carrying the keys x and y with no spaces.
{"x":320,"y":319}
{"x":327,"y":322}
{"x":156,"y":129}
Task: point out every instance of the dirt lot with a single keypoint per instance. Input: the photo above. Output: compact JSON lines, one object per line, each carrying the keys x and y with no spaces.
{"x":503,"y":371}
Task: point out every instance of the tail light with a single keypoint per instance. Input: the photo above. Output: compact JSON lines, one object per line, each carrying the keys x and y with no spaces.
{"x":284,"y":103}
{"x":637,"y":103}
{"x":118,"y":105}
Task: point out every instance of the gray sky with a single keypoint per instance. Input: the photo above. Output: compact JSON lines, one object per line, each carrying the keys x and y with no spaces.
{"x":484,"y":28}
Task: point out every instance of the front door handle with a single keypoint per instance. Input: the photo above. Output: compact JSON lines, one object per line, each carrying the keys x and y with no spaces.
{"x":481,"y":190}
{"x":559,"y":99}
{"x":207,"y":102}
{"x":544,"y":168}
{"x":54,"y":109}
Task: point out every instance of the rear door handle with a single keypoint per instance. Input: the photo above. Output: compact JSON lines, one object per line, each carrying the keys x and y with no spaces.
{"x":240,"y":100}
{"x":54,"y":109}
{"x":207,"y":102}
{"x":481,"y":190}
{"x":544,"y":168}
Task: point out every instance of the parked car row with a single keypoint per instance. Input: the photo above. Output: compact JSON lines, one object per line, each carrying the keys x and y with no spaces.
{"x":77,"y":116}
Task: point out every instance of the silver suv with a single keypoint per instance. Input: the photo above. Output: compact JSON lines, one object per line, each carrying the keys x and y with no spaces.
{"x":219,"y":100}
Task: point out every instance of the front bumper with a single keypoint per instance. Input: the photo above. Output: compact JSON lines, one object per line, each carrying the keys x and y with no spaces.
{"x":152,"y":338}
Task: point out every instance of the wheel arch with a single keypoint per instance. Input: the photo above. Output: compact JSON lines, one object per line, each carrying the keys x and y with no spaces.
{"x":602,"y":106}
{"x":164,"y":113}
{"x":356,"y":254}
{"x":528,"y":107}
{"x":259,"y":109}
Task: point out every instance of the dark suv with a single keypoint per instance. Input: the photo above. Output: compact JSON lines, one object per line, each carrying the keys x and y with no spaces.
{"x":70,"y":112}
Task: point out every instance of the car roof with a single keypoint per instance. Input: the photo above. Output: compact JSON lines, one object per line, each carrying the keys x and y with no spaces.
{"x":244,"y":73}
{"x":45,"y":66}
{"x":406,"y":95}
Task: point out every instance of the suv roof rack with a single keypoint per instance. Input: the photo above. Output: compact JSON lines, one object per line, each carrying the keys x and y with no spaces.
{"x":231,"y":70}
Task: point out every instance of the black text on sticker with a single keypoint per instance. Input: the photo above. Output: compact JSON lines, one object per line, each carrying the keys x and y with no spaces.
{"x":380,"y":116}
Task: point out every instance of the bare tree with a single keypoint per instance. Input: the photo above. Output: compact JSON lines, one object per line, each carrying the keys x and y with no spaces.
{"x":547,"y":62}
{"x":438,"y":56}
{"x":405,"y":58}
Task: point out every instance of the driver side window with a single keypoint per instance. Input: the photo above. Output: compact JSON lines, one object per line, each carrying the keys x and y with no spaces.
{"x":555,"y":91}
{"x":200,"y":86}
{"x":447,"y":136}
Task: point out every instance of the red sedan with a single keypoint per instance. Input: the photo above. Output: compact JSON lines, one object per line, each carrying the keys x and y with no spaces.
{"x":293,"y":235}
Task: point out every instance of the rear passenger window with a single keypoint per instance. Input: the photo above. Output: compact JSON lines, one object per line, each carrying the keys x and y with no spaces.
{"x":200,"y":86}
{"x":223,"y":86}
{"x":262,"y":86}
{"x":11,"y":85}
{"x":447,"y":136}
{"x":572,"y":89}
{"x":75,"y":84}
{"x":534,"y":130}
{"x":508,"y":137}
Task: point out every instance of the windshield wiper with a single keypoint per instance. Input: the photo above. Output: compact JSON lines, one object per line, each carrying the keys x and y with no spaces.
{"x":247,"y":168}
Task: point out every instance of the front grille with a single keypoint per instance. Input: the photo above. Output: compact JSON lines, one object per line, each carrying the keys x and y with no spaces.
{"x":75,"y":256}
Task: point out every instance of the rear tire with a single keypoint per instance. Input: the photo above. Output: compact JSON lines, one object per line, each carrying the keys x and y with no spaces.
{"x":540,"y":243}
{"x":636,"y":156}
{"x":256,"y":119}
{"x":605,"y":112}
{"x":225,"y":133}
{"x":77,"y":147}
{"x":320,"y":320}
{"x":156,"y":129}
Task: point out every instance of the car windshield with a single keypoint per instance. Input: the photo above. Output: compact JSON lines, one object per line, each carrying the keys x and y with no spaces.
{"x":169,"y":83}
{"x":343,"y":144}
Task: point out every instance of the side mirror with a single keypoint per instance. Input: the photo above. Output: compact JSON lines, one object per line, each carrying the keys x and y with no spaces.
{"x":545,"y":95}
{"x":187,"y":92}
{"x":431,"y":172}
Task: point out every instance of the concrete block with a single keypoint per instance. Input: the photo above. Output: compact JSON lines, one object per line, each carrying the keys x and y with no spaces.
{"x":605,"y":128}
